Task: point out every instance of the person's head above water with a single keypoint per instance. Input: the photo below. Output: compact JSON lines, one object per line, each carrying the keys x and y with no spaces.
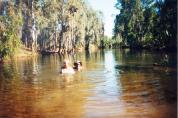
{"x":79,"y":63}
{"x":65,"y":63}
{"x":75,"y":64}
{"x":66,"y":68}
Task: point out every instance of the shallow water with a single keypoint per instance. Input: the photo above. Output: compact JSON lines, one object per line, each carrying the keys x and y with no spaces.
{"x":113,"y":84}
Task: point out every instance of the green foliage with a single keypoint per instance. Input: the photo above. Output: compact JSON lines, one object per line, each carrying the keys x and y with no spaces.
{"x":80,"y":25}
{"x":94,"y":28}
{"x":106,"y":42}
{"x":9,"y":25}
{"x":146,"y":23}
{"x":48,"y":25}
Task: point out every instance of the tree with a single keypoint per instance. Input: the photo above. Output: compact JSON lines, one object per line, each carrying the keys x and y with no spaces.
{"x":50,"y":26}
{"x":147,"y":23}
{"x":10,"y":25}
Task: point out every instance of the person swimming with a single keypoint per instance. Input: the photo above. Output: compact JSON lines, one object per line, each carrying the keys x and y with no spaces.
{"x":66,"y":68}
{"x":77,"y":66}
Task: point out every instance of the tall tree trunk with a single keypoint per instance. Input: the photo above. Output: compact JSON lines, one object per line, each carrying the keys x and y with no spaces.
{"x":33,"y":29}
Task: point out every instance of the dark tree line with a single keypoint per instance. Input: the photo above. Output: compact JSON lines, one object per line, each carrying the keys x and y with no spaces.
{"x":148,"y":24}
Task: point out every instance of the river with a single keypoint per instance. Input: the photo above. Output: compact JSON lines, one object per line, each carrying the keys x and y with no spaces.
{"x":113,"y":84}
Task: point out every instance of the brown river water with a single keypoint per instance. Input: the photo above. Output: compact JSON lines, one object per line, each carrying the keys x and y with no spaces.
{"x":112,"y":84}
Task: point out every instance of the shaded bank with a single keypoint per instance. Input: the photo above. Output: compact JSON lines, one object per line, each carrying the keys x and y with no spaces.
{"x":146,"y":24}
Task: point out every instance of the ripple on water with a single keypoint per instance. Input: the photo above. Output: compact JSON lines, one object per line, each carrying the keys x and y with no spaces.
{"x":34,"y":88}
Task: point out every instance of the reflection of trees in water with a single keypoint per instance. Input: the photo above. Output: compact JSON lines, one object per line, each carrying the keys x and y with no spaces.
{"x":142,"y":85}
{"x":137,"y":89}
{"x":46,"y":97}
{"x":34,"y":86}
{"x":93,"y":59}
{"x":13,"y":101}
{"x":36,"y":90}
{"x":29,"y":69}
{"x":133,"y":57}
{"x":94,"y":56}
{"x":166,"y":59}
{"x":87,"y":55}
{"x":6,"y":71}
{"x":146,"y":57}
{"x":148,"y":93}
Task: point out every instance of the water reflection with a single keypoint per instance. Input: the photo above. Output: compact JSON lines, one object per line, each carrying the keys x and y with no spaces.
{"x":114,"y":83}
{"x":143,"y":88}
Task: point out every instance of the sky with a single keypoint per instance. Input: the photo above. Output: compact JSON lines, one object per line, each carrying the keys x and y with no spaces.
{"x":109,"y":11}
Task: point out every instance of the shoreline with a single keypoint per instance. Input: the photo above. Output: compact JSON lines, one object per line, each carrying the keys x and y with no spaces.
{"x":19,"y":54}
{"x":23,"y":53}
{"x":144,"y":48}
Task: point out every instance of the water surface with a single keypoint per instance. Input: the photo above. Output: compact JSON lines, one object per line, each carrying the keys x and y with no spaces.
{"x":113,"y":83}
